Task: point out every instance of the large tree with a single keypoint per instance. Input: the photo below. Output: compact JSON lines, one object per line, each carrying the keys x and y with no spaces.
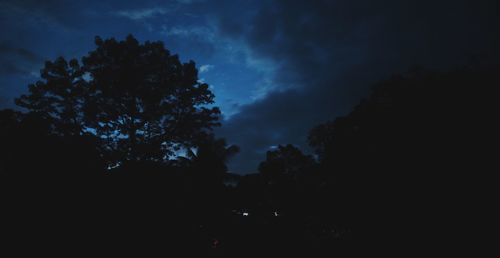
{"x":141,"y":100}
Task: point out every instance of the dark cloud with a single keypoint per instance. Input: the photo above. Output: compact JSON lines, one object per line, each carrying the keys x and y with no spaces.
{"x":60,"y":12}
{"x":17,"y":60}
{"x":7,"y":49}
{"x":330,"y":52}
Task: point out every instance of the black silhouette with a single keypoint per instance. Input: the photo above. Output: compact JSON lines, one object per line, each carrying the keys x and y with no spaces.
{"x":138,"y":98}
{"x":395,"y":166}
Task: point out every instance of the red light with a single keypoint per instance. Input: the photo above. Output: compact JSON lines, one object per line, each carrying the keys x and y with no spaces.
{"x":215,"y":243}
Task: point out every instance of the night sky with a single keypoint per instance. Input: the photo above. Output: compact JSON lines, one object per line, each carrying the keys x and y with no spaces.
{"x":277,"y":68}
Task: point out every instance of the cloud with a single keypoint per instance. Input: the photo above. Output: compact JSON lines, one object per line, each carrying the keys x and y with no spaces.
{"x":189,"y":1}
{"x":206,"y":68}
{"x":327,"y":54}
{"x":8,"y":49}
{"x":142,"y":14}
{"x":197,"y":40}
{"x":204,"y":32}
{"x":17,"y":60}
{"x":65,"y":14}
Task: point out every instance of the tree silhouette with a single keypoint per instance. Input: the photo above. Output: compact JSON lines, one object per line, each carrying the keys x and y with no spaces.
{"x":141,"y":101}
{"x":285,"y":162}
{"x":395,"y":166}
{"x":285,"y":172}
{"x":210,"y":157}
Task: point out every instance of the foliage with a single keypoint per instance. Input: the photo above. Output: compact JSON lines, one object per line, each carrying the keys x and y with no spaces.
{"x":138,"y":98}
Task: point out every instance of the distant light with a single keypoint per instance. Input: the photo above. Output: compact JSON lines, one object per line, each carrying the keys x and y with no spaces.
{"x":276,"y":214}
{"x":245,"y":214}
{"x":110,"y":167}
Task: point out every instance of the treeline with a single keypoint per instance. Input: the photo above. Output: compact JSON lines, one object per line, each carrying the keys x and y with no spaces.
{"x":405,"y":171}
{"x":120,"y":147}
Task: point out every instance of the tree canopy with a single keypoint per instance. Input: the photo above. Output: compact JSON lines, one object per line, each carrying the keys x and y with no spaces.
{"x":139,"y":99}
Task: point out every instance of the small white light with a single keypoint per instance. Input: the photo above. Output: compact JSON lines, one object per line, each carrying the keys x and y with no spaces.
{"x":275,"y":214}
{"x":245,"y":214}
